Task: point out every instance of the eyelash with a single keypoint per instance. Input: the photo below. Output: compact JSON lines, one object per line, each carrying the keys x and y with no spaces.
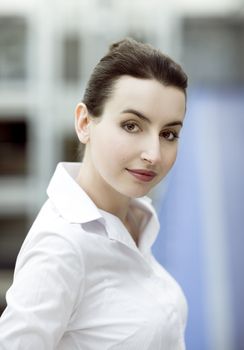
{"x":125,"y":126}
{"x":174,"y":133}
{"x":162,"y":134}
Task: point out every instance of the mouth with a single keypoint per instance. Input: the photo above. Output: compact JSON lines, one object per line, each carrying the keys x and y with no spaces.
{"x":142,"y":175}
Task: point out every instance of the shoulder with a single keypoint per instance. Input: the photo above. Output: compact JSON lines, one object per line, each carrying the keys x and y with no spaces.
{"x":52,"y":237}
{"x":50,"y":221}
{"x":55,"y":236}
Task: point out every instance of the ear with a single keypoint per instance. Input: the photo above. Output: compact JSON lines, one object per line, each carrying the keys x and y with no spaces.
{"x":82,"y":122}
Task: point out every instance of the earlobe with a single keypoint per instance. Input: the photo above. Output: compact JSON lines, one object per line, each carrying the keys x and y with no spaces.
{"x":82,"y":122}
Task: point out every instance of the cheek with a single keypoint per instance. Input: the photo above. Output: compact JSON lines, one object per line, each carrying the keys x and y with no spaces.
{"x":109,"y":151}
{"x":119,"y":153}
{"x":170,"y":159}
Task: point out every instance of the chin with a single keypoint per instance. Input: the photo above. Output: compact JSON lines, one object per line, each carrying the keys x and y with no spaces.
{"x":136,"y":193}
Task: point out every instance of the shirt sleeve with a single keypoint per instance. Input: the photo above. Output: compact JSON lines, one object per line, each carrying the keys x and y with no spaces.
{"x":48,"y":280}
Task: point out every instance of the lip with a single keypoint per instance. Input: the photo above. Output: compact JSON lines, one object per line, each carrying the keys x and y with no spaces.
{"x":142,"y":174}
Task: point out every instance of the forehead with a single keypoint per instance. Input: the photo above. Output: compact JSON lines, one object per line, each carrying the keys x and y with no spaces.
{"x":146,"y":95}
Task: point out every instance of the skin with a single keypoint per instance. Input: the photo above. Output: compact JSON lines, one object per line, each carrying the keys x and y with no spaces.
{"x":137,"y":130}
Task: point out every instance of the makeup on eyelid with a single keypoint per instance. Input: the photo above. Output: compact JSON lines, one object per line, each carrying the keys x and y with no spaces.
{"x":132,"y":127}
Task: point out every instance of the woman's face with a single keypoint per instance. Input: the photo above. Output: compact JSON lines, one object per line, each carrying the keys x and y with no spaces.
{"x":133,"y":145}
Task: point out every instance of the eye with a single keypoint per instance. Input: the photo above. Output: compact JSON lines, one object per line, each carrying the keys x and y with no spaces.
{"x":131,"y":127}
{"x":169,"y":135}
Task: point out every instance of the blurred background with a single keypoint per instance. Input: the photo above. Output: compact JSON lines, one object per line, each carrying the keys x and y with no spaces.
{"x":47,"y":52}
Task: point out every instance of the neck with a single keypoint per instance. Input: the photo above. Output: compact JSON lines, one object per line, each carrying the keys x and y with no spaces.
{"x":105,"y":197}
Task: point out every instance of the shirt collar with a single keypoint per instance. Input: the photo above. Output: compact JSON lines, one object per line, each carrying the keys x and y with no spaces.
{"x":117,"y":231}
{"x":69,"y":198}
{"x":151,"y":229}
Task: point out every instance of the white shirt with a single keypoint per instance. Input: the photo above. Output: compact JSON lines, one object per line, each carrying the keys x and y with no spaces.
{"x":81,"y":282}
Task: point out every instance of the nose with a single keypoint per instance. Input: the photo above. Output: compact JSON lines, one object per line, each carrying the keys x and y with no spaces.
{"x":152,"y":154}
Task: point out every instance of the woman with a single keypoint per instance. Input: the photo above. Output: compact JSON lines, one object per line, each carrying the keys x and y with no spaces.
{"x":85,"y":277}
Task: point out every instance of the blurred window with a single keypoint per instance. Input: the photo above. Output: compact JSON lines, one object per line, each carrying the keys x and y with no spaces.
{"x":13,"y":48}
{"x":13,"y":146}
{"x":13,"y":229}
{"x":214,"y":50}
{"x":71,"y":59}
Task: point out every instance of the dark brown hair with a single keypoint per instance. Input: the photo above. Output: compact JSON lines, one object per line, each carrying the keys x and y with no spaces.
{"x":129,"y":57}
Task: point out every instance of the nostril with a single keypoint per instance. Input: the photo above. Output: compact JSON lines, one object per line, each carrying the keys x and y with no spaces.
{"x":151,"y":158}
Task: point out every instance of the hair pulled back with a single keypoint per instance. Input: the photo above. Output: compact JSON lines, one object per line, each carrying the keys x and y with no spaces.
{"x":129,"y":57}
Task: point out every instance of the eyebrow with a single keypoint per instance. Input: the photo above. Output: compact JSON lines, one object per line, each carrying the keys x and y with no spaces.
{"x":143,"y":117}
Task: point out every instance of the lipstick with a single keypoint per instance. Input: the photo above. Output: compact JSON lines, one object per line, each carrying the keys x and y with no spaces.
{"x":142,"y":175}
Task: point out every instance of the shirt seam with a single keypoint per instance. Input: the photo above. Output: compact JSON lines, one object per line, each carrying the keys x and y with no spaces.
{"x":80,"y":292}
